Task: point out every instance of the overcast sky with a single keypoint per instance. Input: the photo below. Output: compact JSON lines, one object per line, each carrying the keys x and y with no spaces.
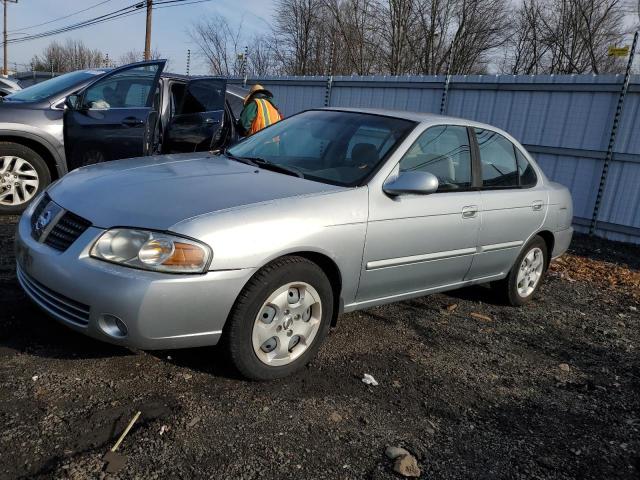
{"x":170,"y":26}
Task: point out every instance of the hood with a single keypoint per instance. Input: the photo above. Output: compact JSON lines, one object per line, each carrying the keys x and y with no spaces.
{"x":158,"y":192}
{"x":8,"y":108}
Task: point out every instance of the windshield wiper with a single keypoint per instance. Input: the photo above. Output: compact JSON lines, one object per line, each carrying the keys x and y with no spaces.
{"x":260,"y":163}
{"x":245,"y":160}
{"x":289,"y":170}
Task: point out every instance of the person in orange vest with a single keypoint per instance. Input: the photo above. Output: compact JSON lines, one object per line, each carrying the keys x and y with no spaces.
{"x":259,"y":111}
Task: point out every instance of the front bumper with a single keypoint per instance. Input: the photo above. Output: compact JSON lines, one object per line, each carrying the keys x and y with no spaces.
{"x":160,"y":311}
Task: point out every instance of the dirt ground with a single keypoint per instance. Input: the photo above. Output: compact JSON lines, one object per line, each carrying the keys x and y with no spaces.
{"x":479,"y":390}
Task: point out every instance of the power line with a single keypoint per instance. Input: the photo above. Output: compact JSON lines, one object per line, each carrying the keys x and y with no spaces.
{"x":59,"y":18}
{"x":120,"y":13}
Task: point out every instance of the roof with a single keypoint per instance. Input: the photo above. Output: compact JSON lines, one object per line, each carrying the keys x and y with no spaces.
{"x":421,"y":117}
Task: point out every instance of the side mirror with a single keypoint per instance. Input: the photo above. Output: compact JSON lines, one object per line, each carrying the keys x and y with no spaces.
{"x":411,"y":182}
{"x":72,"y":102}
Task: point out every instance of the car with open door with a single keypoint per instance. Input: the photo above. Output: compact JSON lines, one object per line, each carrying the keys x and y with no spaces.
{"x":120,"y":115}
{"x":92,"y":116}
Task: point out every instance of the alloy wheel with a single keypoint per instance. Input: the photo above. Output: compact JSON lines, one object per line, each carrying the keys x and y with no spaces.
{"x":18,"y":180}
{"x":530,"y":272}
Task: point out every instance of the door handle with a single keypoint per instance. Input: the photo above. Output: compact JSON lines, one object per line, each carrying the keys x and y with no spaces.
{"x":211,"y":121}
{"x":537,"y":205}
{"x":469,"y":211}
{"x":132,"y":122}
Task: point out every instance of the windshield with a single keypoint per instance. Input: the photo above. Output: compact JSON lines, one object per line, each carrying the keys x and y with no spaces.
{"x":54,"y":86}
{"x":341,"y":148}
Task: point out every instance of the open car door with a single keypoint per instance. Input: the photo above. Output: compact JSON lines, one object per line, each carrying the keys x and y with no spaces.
{"x":197,"y":117}
{"x":115,"y":116}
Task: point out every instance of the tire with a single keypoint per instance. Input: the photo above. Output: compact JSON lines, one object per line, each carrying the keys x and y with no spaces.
{"x":289,"y":326}
{"x":508,"y":289}
{"x":31,"y":169}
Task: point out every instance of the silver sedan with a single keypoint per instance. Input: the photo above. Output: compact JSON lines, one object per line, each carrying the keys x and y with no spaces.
{"x":261,"y":247}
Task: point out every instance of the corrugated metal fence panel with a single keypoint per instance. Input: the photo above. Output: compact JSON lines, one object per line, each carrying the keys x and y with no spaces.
{"x":545,"y":116}
{"x":380,"y":92}
{"x":621,"y":200}
{"x":580,"y":175}
{"x":545,"y":111}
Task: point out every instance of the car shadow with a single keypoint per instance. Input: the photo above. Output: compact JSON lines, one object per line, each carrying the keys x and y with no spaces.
{"x":476,"y":293}
{"x":211,"y":360}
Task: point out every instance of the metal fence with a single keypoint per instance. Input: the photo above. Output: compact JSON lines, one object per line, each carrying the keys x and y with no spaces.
{"x":564,"y":121}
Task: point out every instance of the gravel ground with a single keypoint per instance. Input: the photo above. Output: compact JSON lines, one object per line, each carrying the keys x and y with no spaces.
{"x":551,"y":390}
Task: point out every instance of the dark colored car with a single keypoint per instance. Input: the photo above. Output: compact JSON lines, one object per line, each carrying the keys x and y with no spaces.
{"x":93,"y":116}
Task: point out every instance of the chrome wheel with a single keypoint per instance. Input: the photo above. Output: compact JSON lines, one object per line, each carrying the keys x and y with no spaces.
{"x":18,"y":180}
{"x":287,"y":323}
{"x":530,"y":272}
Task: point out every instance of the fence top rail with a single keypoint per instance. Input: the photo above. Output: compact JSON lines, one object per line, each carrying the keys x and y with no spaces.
{"x":560,"y":83}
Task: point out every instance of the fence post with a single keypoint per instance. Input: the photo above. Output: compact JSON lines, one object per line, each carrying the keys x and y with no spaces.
{"x":612,"y":137}
{"x":244,"y":66}
{"x":447,"y":81}
{"x":327,"y":91}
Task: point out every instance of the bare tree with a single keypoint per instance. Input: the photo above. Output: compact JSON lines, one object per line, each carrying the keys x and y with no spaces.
{"x":67,"y":57}
{"x":261,"y":56}
{"x":566,"y":36}
{"x":295,"y":24}
{"x":395,"y":24}
{"x":526,"y":45}
{"x":219,"y":44}
{"x":482,"y":27}
{"x":133,"y":56}
{"x":355,"y":36}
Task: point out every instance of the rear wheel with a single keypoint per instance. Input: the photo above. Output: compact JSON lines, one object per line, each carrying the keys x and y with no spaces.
{"x":280,"y":319}
{"x":526,"y":275}
{"x":23,"y":174}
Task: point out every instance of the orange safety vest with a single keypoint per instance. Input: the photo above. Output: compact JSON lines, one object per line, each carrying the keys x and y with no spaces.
{"x":266,"y":114}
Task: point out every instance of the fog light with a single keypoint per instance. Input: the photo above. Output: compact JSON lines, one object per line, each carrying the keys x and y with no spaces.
{"x":112,"y":325}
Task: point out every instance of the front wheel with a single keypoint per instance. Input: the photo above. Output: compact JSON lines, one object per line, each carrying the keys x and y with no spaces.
{"x":280,"y":319}
{"x":526,"y":275}
{"x":23,"y":174}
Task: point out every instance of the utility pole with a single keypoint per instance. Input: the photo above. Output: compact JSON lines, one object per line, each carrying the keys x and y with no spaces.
{"x":147,"y":39}
{"x":4,"y":43}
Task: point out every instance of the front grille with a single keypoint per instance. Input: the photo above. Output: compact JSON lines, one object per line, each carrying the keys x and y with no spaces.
{"x":56,"y":304}
{"x":66,"y":231}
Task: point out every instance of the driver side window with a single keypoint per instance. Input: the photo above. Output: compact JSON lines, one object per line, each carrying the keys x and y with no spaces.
{"x":130,"y":88}
{"x":443,"y":151}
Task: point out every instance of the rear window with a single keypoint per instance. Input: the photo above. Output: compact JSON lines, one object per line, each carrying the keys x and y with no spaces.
{"x":498,"y":160}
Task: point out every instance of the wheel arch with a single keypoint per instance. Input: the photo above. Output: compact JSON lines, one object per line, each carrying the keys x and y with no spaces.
{"x":330,"y":269}
{"x":549,"y":240}
{"x":39,"y":147}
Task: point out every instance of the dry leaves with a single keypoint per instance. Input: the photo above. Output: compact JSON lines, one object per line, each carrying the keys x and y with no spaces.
{"x":479,"y":316}
{"x":574,"y":268}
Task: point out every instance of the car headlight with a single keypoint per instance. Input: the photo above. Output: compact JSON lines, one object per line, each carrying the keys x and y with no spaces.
{"x":161,"y":252}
